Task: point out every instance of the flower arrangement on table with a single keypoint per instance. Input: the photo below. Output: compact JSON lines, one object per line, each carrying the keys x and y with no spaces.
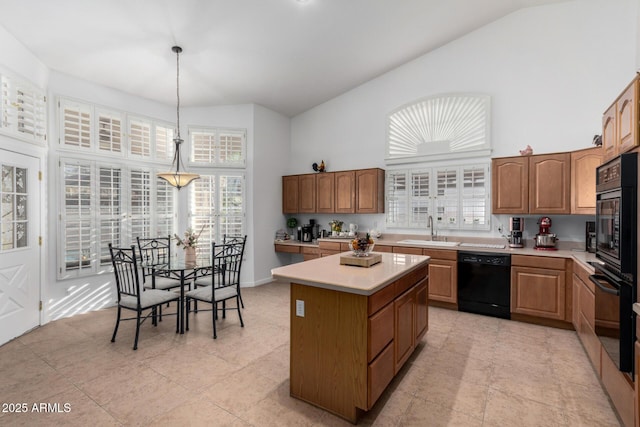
{"x":190,"y":238}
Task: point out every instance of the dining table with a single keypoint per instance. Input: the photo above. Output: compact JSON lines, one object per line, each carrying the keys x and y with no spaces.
{"x":186,"y":271}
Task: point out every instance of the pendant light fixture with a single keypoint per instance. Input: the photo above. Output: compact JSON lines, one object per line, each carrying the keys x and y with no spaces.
{"x":178,"y":178}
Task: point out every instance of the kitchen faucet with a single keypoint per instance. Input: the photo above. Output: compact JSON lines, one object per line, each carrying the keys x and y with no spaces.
{"x":430,"y":225}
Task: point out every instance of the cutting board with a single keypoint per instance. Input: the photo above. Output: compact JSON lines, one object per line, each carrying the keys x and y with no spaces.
{"x":360,"y":261}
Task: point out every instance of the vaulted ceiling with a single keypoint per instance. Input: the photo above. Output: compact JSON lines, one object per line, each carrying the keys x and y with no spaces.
{"x":287,"y":55}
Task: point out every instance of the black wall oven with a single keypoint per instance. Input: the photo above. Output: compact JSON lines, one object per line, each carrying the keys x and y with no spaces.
{"x":616,"y":248}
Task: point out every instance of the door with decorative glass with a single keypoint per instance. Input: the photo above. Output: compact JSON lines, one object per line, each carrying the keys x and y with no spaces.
{"x":19,"y":248}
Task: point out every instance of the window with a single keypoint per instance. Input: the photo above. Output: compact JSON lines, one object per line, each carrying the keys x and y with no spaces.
{"x":89,"y":128}
{"x":140,"y":137}
{"x":439,"y":126}
{"x":218,"y":147}
{"x":75,"y":124}
{"x":103,"y":203}
{"x":109,"y":131}
{"x":456,"y":197}
{"x":217,"y":207}
{"x":23,"y":109}
{"x":13,"y":208}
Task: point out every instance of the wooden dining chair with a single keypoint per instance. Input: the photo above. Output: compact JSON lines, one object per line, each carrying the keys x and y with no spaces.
{"x":132,"y":295}
{"x":223,"y":283}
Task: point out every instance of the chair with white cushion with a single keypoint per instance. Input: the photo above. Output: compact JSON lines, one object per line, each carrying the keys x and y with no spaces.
{"x":132,"y":295}
{"x":228,"y":238}
{"x":223,"y":283}
{"x":156,"y":251}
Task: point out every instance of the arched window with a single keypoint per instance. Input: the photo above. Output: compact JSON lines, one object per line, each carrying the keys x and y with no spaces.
{"x":439,"y":126}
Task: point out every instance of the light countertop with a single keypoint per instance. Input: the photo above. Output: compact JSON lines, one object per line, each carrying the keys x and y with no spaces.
{"x":327,"y":273}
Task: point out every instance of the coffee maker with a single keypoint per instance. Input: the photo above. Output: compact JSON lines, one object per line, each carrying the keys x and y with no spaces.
{"x":315,"y":229}
{"x":516,"y":227}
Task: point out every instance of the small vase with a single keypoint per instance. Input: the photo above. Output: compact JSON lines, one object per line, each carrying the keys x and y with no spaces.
{"x":190,"y":255}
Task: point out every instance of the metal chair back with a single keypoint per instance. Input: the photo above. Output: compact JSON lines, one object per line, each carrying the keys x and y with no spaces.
{"x":125,"y":267}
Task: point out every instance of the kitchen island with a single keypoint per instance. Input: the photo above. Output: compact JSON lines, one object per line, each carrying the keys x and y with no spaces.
{"x":353,"y":328}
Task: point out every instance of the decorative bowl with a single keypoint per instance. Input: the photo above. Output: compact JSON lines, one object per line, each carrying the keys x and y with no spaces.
{"x":362,"y":247}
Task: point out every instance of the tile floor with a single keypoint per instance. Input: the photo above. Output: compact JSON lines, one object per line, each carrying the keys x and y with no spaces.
{"x":469,"y":371}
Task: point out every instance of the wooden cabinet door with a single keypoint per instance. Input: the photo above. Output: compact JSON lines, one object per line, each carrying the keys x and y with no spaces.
{"x":575,"y":302}
{"x":583,"y":180}
{"x":609,"y":133}
{"x":549,"y":184}
{"x":538,"y":292}
{"x":627,"y":118}
{"x":404,"y":336}
{"x":345,"y":192}
{"x":421,"y":321}
{"x":370,"y":191}
{"x":290,"y":194}
{"x":443,"y":280}
{"x":307,"y":193}
{"x":325,"y":184}
{"x":509,"y":183}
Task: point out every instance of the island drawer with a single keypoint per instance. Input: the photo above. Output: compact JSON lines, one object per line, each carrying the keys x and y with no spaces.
{"x":381,"y":298}
{"x":380,"y":373}
{"x":411,"y":279}
{"x":380,"y":331}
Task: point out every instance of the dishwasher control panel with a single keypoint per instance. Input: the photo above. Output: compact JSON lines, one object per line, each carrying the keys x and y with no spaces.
{"x":484,"y":258}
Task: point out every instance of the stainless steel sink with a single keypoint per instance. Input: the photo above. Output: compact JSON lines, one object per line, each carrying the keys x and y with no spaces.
{"x":429,"y":243}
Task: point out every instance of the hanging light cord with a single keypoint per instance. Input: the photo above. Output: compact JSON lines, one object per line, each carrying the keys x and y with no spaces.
{"x":178,"y":50}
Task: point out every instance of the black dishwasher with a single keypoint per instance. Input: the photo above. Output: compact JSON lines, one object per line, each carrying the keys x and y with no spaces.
{"x":484,"y":283}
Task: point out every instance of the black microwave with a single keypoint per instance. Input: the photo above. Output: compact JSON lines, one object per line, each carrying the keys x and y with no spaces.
{"x":616,"y":214}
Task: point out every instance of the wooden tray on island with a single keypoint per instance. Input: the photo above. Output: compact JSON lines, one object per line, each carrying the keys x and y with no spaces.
{"x":360,"y":261}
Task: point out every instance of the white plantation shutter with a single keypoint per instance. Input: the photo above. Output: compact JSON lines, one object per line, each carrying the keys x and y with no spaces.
{"x":447,"y":198}
{"x":140,"y":137}
{"x":164,"y":142}
{"x":218,"y":205}
{"x":223,"y":147}
{"x":203,"y":210}
{"x":75,"y":124}
{"x":231,"y":212}
{"x":77,"y":217}
{"x":109,"y":131}
{"x":165,"y":208}
{"x":105,"y":204}
{"x":24,"y":109}
{"x":456,"y":197}
{"x":396,"y":198}
{"x":140,"y":204}
{"x":420,"y":201}
{"x":110,"y":188}
{"x":475,"y":196}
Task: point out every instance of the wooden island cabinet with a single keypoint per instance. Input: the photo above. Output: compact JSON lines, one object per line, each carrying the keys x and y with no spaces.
{"x":353,"y":328}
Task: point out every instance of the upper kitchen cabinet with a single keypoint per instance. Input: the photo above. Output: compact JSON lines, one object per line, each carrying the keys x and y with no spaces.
{"x":345,"y":192}
{"x":370,"y":191}
{"x":510,"y":184}
{"x":290,"y":194}
{"x":620,"y":122}
{"x":549,"y":184}
{"x":325,"y":192}
{"x":307,"y":193}
{"x":537,"y":184}
{"x":355,"y":191}
{"x":583,"y":180}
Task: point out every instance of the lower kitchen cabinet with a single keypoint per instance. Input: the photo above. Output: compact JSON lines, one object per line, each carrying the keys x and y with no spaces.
{"x":538,"y":292}
{"x":584,"y":314}
{"x":443,"y":275}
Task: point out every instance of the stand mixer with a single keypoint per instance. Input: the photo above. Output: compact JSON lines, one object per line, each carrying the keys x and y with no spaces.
{"x":545,"y":240}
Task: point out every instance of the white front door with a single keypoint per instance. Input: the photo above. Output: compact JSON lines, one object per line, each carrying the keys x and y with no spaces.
{"x":19,"y":246}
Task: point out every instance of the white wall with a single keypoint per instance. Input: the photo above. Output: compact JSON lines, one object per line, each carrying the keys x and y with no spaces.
{"x":271,"y":159}
{"x":550,"y":71}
